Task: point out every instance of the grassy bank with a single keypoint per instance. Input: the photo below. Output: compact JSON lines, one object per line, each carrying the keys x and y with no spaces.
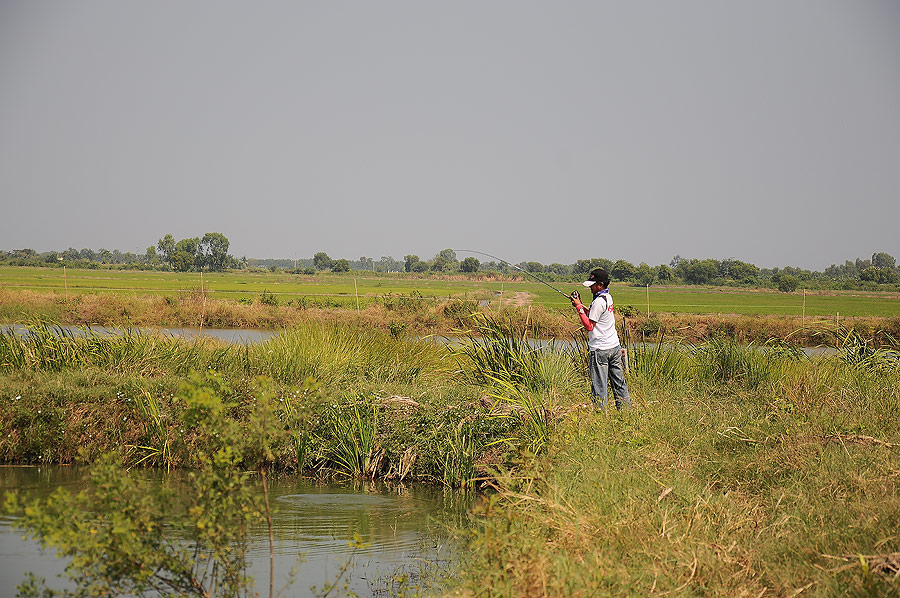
{"x":738,"y":473}
{"x":357,"y":402}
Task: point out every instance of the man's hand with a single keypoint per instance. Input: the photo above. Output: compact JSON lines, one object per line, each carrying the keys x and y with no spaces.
{"x":576,"y":299}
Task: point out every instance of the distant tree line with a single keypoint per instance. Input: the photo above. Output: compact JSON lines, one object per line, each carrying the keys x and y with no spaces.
{"x":876,"y":273}
{"x":210,"y":252}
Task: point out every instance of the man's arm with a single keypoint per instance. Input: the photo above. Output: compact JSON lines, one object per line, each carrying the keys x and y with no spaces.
{"x":582,"y":312}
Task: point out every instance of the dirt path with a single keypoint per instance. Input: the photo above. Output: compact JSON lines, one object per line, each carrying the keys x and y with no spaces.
{"x":520,"y":299}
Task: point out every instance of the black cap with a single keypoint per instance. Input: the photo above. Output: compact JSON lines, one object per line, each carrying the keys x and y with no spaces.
{"x":597,"y":275}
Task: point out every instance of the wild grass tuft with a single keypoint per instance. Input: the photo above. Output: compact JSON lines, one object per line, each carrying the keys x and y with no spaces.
{"x":517,"y":373}
{"x":352,"y":431}
{"x":723,"y":360}
{"x":158,"y":451}
{"x":341,"y":355}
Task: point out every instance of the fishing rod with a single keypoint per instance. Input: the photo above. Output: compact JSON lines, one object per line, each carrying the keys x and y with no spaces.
{"x":526,"y":272}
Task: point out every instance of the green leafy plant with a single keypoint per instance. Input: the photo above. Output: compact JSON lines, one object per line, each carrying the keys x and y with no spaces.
{"x":352,"y":435}
{"x":160,"y":452}
{"x":267,"y":298}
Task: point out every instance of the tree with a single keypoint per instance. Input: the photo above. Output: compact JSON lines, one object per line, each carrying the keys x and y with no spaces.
{"x":166,"y":247}
{"x":150,"y":256}
{"x":389,"y":264}
{"x":366,"y":263}
{"x":645,"y":275}
{"x":120,"y":536}
{"x":585,"y":266}
{"x":623,"y":270}
{"x":181,"y":261}
{"x":189,"y":245}
{"x":411,"y":259}
{"x":470,"y":264}
{"x":340,"y":265}
{"x":321,"y":261}
{"x":534,"y":267}
{"x":444,"y":261}
{"x":847,"y":271}
{"x":70,"y":255}
{"x":738,"y":270}
{"x":879,"y":275}
{"x":883,"y":260}
{"x":663,"y":273}
{"x":787,"y":283}
{"x":213,"y":251}
{"x":557,"y":268}
{"x":698,"y":271}
{"x":420,"y":266}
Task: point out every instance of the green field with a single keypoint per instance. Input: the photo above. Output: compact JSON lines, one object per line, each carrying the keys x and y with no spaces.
{"x":344,"y":288}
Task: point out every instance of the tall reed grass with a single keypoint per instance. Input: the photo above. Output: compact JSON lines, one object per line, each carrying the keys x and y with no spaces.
{"x":158,"y":451}
{"x":352,"y":429}
{"x":517,"y":373}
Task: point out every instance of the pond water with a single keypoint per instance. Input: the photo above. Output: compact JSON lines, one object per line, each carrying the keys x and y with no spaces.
{"x":253,"y":336}
{"x":402,"y":528}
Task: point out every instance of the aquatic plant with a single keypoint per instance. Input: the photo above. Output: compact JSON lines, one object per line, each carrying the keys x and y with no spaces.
{"x":160,"y":451}
{"x":351,"y":438}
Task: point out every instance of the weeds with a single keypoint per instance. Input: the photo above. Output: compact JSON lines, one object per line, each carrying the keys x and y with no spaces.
{"x":352,"y":430}
{"x":458,"y":452}
{"x":722,"y":360}
{"x":518,"y":374}
{"x":863,"y":353}
{"x":160,"y":452}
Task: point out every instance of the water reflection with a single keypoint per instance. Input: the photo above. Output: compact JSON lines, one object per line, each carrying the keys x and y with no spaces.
{"x":311,"y":520}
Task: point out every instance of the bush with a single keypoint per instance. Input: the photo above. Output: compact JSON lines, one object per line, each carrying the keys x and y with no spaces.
{"x":629,"y":311}
{"x":651,"y":326}
{"x":268,"y":298}
{"x":788,"y":283}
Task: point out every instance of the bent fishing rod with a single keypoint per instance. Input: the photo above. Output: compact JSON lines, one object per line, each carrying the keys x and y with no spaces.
{"x":526,"y":272}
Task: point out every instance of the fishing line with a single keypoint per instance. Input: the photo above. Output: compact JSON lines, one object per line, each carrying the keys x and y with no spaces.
{"x":526,"y":272}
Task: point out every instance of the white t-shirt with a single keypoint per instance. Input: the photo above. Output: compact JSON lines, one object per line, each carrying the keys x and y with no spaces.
{"x":604,"y":335}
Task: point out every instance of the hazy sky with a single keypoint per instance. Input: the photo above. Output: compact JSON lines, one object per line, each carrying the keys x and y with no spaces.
{"x":768,"y":131}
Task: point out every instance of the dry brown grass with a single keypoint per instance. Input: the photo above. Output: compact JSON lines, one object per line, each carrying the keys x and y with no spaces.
{"x":192,"y":309}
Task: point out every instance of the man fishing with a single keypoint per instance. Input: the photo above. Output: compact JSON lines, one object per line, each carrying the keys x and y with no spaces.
{"x":606,"y":354}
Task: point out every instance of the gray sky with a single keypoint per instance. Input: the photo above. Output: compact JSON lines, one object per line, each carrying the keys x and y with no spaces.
{"x":768,"y":131}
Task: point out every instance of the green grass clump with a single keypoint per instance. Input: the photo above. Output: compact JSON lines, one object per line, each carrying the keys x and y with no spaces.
{"x":525,"y":379}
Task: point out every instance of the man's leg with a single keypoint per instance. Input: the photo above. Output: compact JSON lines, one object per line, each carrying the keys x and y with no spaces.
{"x":599,"y":368}
{"x":617,"y":379}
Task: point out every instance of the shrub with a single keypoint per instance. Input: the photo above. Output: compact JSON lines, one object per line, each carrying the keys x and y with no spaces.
{"x":629,"y":311}
{"x":268,"y":298}
{"x":788,"y":283}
